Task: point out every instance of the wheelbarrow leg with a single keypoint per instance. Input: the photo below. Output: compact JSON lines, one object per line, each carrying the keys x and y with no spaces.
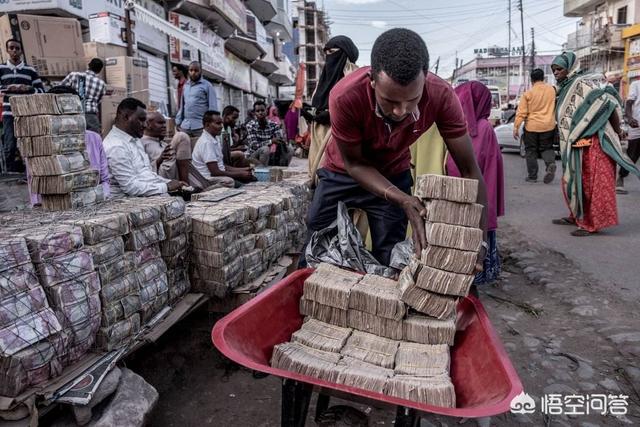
{"x":322,"y":404}
{"x":406,"y":417}
{"x":295,"y":403}
{"x":303,"y":397}
{"x":287,"y":413}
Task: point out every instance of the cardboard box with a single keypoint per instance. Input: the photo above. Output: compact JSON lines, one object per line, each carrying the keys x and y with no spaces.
{"x":106,"y":27}
{"x":116,"y":91}
{"x":103,"y":50}
{"x":143,"y":96}
{"x":108,"y":108}
{"x":52,"y":45}
{"x":129,"y":72}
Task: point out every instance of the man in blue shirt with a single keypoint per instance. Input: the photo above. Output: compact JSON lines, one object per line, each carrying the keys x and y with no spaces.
{"x":199,"y":96}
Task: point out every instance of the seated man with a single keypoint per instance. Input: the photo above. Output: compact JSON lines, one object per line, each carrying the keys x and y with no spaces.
{"x":232,"y":147}
{"x":208,"y":168}
{"x":169,"y":160}
{"x":129,"y":168}
{"x":266,"y":140}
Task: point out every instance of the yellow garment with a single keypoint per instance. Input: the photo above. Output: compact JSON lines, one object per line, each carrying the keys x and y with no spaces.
{"x":537,"y":109}
{"x":320,"y":135}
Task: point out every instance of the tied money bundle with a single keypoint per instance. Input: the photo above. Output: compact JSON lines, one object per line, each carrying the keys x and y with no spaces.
{"x":444,"y":272}
{"x":50,"y":129}
{"x":238,"y":236}
{"x":31,"y":337}
{"x":66,"y":272}
{"x":341,"y":355}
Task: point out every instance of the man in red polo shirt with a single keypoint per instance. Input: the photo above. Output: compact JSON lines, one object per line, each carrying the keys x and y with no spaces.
{"x":377,"y":113}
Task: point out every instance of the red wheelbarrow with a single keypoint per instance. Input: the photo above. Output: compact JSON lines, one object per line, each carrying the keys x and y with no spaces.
{"x":484,"y":379}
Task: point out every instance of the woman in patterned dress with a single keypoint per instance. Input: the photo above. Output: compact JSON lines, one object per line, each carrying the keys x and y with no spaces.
{"x":588,"y":112}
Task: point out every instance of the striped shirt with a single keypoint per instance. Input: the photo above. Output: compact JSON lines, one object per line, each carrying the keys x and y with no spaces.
{"x":20,"y":74}
{"x":89,"y":86}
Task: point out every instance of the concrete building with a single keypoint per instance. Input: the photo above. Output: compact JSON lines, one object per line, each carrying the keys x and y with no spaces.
{"x":313,"y":33}
{"x":598,"y":41}
{"x":492,"y":71}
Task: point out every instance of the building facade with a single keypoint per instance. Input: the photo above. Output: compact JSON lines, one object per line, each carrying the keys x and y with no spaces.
{"x":313,"y":33}
{"x":238,"y":43}
{"x":598,"y":41}
{"x":492,"y":71}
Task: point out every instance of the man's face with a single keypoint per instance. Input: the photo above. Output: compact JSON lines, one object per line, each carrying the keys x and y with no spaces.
{"x":15,"y":51}
{"x":194,"y":72}
{"x":395,"y":101}
{"x":156,"y":125}
{"x":559,"y":73}
{"x":260,"y":111}
{"x":137,"y":123}
{"x":177,"y":74}
{"x":230,"y":119}
{"x":215,"y":126}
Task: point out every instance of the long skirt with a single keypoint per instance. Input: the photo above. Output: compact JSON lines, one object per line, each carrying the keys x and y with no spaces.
{"x":492,"y":264}
{"x":598,"y":189}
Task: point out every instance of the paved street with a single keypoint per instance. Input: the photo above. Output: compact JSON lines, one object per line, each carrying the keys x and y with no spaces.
{"x":610,"y":257}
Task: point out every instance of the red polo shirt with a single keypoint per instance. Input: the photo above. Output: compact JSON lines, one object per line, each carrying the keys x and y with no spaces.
{"x":354,"y":121}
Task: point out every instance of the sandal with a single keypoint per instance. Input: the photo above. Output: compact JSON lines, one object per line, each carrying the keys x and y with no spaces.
{"x":564,"y":221}
{"x":581,"y":232}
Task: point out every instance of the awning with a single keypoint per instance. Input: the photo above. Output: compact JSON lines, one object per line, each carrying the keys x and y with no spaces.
{"x":143,"y":15}
{"x":263,"y":9}
{"x":245,"y":48}
{"x":264,"y":66}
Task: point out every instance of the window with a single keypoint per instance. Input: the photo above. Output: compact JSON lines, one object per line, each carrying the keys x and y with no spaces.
{"x":622,"y":16}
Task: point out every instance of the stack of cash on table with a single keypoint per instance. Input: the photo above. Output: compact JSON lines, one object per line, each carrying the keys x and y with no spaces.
{"x":50,"y":129}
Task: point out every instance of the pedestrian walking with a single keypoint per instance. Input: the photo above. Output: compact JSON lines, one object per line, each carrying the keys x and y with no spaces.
{"x":588,"y":112}
{"x":476,"y":104}
{"x":199,"y":96}
{"x":537,"y":111}
{"x":180,"y":73}
{"x":632,"y":116}
{"x":90,"y":88}
{"x":16,"y":79}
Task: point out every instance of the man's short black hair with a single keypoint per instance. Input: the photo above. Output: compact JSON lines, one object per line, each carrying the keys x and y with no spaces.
{"x":6,"y":44}
{"x":229,"y":109}
{"x":129,"y":105}
{"x":195,"y":63}
{"x":96,"y":65}
{"x":208,"y":117}
{"x":259,"y":102}
{"x":184,"y":70}
{"x":537,"y":75}
{"x":401,"y":54}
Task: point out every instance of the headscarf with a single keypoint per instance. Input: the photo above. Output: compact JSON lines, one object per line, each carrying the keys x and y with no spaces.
{"x":476,"y":104}
{"x":333,"y":69}
{"x":569,"y":62}
{"x":273,"y":115}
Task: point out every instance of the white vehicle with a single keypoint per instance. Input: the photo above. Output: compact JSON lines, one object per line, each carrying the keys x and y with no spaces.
{"x":496,"y":106}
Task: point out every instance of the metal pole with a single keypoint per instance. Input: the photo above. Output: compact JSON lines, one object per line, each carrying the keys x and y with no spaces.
{"x":533,"y":49}
{"x":509,"y":57}
{"x":128,"y":32}
{"x":522,"y":61}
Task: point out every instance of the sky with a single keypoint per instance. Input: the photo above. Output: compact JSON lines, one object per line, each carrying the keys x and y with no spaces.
{"x":448,"y":26}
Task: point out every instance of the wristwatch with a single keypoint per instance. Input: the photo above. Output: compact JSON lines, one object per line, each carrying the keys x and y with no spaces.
{"x":485,"y":245}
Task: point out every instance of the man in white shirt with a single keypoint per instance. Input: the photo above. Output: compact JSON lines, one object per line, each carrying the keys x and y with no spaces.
{"x":632,"y":117}
{"x":208,"y":168}
{"x":129,"y":168}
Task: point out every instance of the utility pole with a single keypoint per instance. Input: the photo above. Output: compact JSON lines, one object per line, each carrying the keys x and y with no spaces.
{"x":533,"y":49}
{"x":522,"y":62}
{"x":509,"y":57}
{"x":437,"y":64}
{"x":455,"y":69}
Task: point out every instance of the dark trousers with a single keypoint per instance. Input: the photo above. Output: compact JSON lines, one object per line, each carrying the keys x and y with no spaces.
{"x":9,"y":145}
{"x":538,"y":144}
{"x":93,"y":122}
{"x":387,"y":222}
{"x":633,"y":151}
